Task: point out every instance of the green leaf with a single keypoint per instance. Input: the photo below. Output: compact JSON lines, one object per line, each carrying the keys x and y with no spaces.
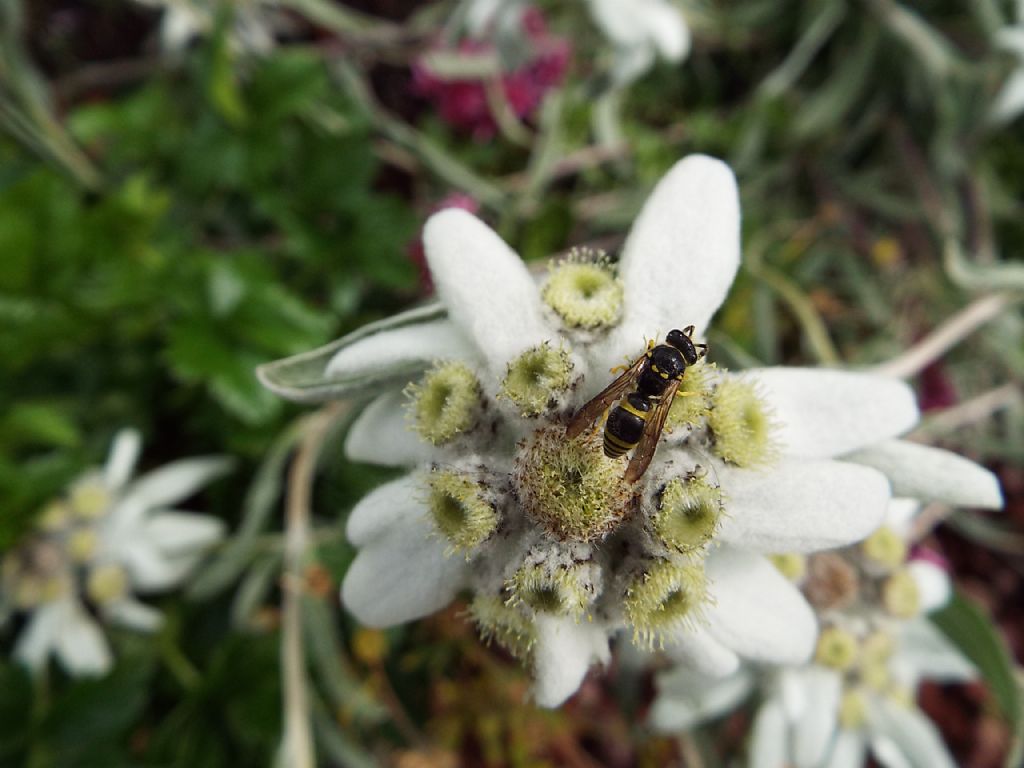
{"x":301,"y":378}
{"x":973,"y":633}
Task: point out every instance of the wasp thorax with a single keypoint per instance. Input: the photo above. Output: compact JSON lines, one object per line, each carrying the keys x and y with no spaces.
{"x":663,"y":597}
{"x":741,"y":425}
{"x":446,"y":403}
{"x":461,"y":509}
{"x":568,"y":485}
{"x":536,"y":379}
{"x":584,"y":291}
{"x":688,"y":513}
{"x":505,"y":624}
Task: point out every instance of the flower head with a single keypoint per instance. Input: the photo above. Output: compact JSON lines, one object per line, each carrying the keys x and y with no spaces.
{"x":858,"y":691}
{"x":545,"y":524}
{"x":107,"y":539}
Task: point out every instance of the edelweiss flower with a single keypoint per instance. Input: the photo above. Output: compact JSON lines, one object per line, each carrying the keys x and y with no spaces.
{"x":105,"y":541}
{"x":251,"y":28}
{"x":556,"y":549}
{"x":1009,"y":102}
{"x":640,"y":31}
{"x":874,"y":648}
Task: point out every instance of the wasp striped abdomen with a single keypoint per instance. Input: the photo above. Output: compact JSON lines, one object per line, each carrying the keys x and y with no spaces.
{"x":626,"y":424}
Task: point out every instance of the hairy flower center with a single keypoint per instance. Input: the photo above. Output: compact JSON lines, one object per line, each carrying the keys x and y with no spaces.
{"x":106,"y":584}
{"x":901,"y":596}
{"x":885,"y":548}
{"x":497,"y":621}
{"x":837,"y":649}
{"x":460,"y":510}
{"x":446,"y":403}
{"x":741,"y":425}
{"x":569,"y":486}
{"x":689,"y":513}
{"x":536,"y":379}
{"x":584,"y":293}
{"x":664,"y":597}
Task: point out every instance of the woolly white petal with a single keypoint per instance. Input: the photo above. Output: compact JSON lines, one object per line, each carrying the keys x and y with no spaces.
{"x":391,"y":504}
{"x":887,"y":752}
{"x":695,"y":648}
{"x":423,"y":343}
{"x":933,"y":584}
{"x":801,"y":506}
{"x":900,"y":515}
{"x":926,"y":653}
{"x":152,"y":570}
{"x":768,"y":742}
{"x":81,"y":645}
{"x":183,"y":533}
{"x":686,"y":699}
{"x":175,"y":482}
{"x":814,"y":731}
{"x":134,"y":615}
{"x":381,"y":434}
{"x":823,"y":413}
{"x":848,"y":751}
{"x":633,"y":24}
{"x":915,"y":736}
{"x":124,"y":453}
{"x":37,"y":639}
{"x":680,"y":258}
{"x":489,"y":293}
{"x":563,"y":653}
{"x":924,"y":472}
{"x":402,"y":574}
{"x":756,"y":611}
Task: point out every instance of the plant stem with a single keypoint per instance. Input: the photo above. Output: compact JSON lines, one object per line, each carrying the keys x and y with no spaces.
{"x":299,"y":751}
{"x":947,"y":335}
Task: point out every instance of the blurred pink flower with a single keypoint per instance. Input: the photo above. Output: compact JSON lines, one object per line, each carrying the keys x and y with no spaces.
{"x":462,"y":102}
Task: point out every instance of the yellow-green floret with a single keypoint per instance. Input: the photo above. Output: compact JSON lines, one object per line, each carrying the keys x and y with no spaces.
{"x":460,"y":510}
{"x":569,"y":486}
{"x":885,"y":548}
{"x":561,"y":590}
{"x":536,"y":378}
{"x":664,"y":597}
{"x":901,"y":595}
{"x":446,"y":403}
{"x":688,"y":514}
{"x":584,"y":291}
{"x":837,"y":649}
{"x":506,"y":624}
{"x":741,"y":425}
{"x":692,"y":400}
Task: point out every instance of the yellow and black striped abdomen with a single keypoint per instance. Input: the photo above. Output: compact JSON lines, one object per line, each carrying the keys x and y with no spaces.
{"x":625,"y":425}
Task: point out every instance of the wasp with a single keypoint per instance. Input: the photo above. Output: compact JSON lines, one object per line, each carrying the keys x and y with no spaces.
{"x":639,"y":418}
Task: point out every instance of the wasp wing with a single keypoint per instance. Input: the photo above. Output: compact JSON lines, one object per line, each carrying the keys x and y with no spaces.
{"x":589,"y":412}
{"x":652,"y":433}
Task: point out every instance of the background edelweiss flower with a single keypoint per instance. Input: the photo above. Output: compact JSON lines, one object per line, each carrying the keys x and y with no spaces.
{"x":875,"y":647}
{"x":712,"y":604}
{"x":108,"y":539}
{"x":252,"y":22}
{"x":640,"y":31}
